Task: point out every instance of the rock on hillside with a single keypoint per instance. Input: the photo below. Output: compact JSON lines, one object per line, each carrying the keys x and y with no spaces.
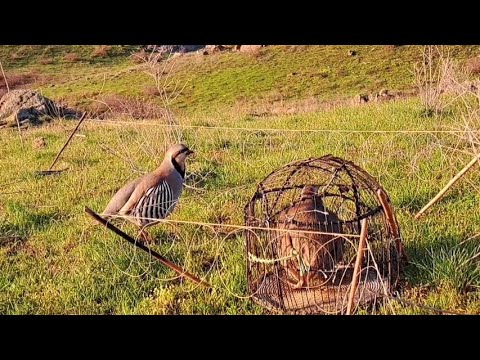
{"x":250,"y":48}
{"x":30,"y":107}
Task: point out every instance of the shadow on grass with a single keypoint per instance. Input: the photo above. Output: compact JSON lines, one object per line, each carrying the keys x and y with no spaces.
{"x":12,"y":243}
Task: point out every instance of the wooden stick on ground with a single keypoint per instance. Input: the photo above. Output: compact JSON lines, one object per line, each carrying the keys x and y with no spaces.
{"x":387,"y":209}
{"x":358,"y":265}
{"x":156,"y":255}
{"x":70,"y":138}
{"x":448,"y":186}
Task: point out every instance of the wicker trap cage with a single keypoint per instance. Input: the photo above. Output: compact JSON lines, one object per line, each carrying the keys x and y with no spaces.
{"x":303,"y":239}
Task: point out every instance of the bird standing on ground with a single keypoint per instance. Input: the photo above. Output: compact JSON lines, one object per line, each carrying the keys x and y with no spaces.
{"x":152,"y":196}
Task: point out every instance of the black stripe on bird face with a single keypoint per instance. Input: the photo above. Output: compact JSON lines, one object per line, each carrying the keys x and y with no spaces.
{"x":184,"y":150}
{"x":187,"y":151}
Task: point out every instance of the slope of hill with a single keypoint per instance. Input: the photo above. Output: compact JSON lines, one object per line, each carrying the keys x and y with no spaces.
{"x":81,"y":74}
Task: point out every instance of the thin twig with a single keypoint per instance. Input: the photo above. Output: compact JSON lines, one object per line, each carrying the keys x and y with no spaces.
{"x":470,"y":238}
{"x":244,"y":227}
{"x":279,"y":130}
{"x":16,"y":117}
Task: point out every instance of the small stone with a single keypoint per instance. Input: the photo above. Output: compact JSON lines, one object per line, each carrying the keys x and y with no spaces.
{"x":39,"y":143}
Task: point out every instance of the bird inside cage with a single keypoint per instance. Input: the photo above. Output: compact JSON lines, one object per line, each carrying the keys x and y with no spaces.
{"x":309,"y":259}
{"x":153,"y":196}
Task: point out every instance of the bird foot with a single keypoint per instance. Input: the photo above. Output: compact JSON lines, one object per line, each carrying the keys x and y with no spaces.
{"x":144,"y":237}
{"x":296,"y":281}
{"x":300,"y":284}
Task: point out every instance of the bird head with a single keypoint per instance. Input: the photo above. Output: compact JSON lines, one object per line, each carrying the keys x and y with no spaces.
{"x":309,"y":191}
{"x":177,"y":154}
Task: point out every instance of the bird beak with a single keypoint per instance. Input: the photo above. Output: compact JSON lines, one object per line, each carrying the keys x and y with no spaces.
{"x":190,"y":152}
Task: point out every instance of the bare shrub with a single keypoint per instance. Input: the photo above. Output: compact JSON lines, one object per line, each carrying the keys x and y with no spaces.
{"x":17,"y":56}
{"x":433,"y":75}
{"x":468,"y":113}
{"x":16,"y":80}
{"x":254,"y":51}
{"x":159,"y":66}
{"x":71,"y":57}
{"x":101,"y":51}
{"x":19,"y":80}
{"x":391,"y":49}
{"x":139,"y":57}
{"x":115,"y":106}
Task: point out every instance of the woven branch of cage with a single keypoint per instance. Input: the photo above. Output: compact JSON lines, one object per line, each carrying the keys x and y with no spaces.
{"x":307,"y":273}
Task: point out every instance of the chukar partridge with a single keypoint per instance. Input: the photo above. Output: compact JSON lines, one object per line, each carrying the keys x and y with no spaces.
{"x":152,"y":196}
{"x":317,"y":252}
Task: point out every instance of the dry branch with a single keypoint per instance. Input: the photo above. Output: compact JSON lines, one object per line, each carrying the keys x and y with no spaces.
{"x":16,"y":117}
{"x":68,"y":141}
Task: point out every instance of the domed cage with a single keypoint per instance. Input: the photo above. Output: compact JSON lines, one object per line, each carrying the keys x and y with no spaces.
{"x":302,"y":242}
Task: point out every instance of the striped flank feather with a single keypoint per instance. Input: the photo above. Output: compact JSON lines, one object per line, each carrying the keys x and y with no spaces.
{"x":157,"y":203}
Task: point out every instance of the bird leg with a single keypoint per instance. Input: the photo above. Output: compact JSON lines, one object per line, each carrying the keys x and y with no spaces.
{"x":293,"y":277}
{"x":144,"y":236}
{"x":300,"y":283}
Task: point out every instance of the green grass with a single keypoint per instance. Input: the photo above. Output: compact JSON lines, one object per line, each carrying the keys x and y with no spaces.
{"x":54,"y":259}
{"x":274,"y":75}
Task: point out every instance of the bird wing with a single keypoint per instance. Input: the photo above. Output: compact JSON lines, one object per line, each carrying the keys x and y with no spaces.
{"x":140,"y":189}
{"x":121,"y":197}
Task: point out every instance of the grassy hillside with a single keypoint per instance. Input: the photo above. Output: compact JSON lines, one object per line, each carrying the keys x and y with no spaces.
{"x":274,"y":74}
